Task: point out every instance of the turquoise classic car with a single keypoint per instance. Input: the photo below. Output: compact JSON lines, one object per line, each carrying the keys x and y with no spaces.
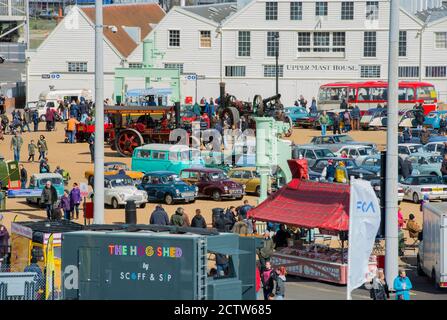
{"x":426,"y":163}
{"x":39,"y":180}
{"x":296,"y":113}
{"x":165,"y":157}
{"x":433,"y":119}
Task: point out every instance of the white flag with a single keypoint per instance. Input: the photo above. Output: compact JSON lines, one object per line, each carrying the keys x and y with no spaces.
{"x":364,"y":222}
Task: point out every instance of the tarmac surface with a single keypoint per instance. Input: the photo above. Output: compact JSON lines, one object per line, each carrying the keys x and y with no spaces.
{"x":11,"y":71}
{"x":76,"y":159}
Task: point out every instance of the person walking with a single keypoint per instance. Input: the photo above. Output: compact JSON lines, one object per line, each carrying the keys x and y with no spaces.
{"x":71,"y":129}
{"x":35,"y":118}
{"x":65,"y":205}
{"x":4,"y":239}
{"x":379,"y":288}
{"x":347,"y":121}
{"x":442,"y":125}
{"x":267,"y":279}
{"x":198,"y":221}
{"x":75,"y":200}
{"x":266,"y":251}
{"x":42,"y":146}
{"x":355,"y":114}
{"x":44,"y":167}
{"x":49,"y":198}
{"x":323,"y":120}
{"x":16,"y":145}
{"x":159,"y":216}
{"x":27,"y":117}
{"x":343,"y":104}
{"x":280,"y":283}
{"x":402,"y":285}
{"x":91,"y":146}
{"x":336,"y":125}
{"x":31,"y":151}
{"x":49,"y":118}
{"x":23,"y":176}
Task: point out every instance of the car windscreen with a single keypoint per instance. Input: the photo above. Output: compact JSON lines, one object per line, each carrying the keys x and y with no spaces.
{"x":170,"y":179}
{"x":121,"y":182}
{"x":216,"y":176}
{"x":343,"y":138}
{"x":415,"y":148}
{"x":324,"y":153}
{"x":429,"y":180}
{"x":366,"y":151}
{"x":54,"y":181}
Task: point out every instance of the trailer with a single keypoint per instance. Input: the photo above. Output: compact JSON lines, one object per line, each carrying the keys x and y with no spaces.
{"x":154,"y":262}
{"x":432,"y":258}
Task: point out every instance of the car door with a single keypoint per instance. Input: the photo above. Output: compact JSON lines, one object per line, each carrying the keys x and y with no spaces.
{"x":203,"y":182}
{"x":249,"y":181}
{"x":406,"y":185}
{"x":107,"y":192}
{"x":237,"y":176}
{"x":150,"y":187}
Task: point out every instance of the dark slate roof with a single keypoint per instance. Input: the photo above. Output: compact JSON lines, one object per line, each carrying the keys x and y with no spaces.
{"x":213,"y":12}
{"x":431,"y":15}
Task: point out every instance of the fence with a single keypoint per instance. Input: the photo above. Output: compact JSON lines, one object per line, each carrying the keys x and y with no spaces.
{"x":14,"y":52}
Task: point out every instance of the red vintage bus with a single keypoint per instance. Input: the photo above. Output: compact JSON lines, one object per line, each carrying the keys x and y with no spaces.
{"x":369,"y":94}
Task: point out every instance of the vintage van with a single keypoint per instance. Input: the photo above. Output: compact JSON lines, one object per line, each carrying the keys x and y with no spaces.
{"x":165,"y":157}
{"x":39,"y":180}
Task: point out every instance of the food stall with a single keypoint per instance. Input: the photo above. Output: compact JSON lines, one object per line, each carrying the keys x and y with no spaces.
{"x":310,"y":205}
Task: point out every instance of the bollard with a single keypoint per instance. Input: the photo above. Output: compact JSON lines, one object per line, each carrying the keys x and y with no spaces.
{"x":131,"y":212}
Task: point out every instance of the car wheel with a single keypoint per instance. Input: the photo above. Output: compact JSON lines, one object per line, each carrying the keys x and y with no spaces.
{"x":115,"y":204}
{"x":420,"y":272}
{"x":258,"y":191}
{"x":216,"y":195}
{"x":168,"y":199}
{"x":42,"y":118}
{"x":143,"y":205}
{"x":415,"y":198}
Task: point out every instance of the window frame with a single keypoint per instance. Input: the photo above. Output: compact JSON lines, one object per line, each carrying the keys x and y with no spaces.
{"x":376,"y":13}
{"x":169,"y":38}
{"x":77,"y":67}
{"x":174,"y":65}
{"x":377,"y":66}
{"x":369,"y":40}
{"x":408,"y":71}
{"x":271,"y":11}
{"x":438,"y":33}
{"x":318,"y":8}
{"x":442,"y":70}
{"x":296,"y":10}
{"x":272,"y":40}
{"x":235,"y":69}
{"x":201,"y":39}
{"x":347,"y":13}
{"x":244,"y":41}
{"x":272,"y":70}
{"x":403,"y":36}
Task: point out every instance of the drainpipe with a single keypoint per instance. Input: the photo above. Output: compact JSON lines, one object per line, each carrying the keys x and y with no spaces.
{"x":420,"y":50}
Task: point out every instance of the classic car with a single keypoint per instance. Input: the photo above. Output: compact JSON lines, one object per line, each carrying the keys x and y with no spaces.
{"x":416,"y":187}
{"x":426,"y":163}
{"x":357,"y":152}
{"x":405,"y":149}
{"x":168,"y":187}
{"x":435,"y":147}
{"x":371,"y":163}
{"x":120,"y":188}
{"x":375,"y":117}
{"x":432,"y":119}
{"x":407,"y":119}
{"x":296,"y":113}
{"x":213,"y":183}
{"x":112,"y":168}
{"x":311,"y":153}
{"x":336,"y":141}
{"x":350,"y":164}
{"x":250,"y":178}
{"x":39,"y":180}
{"x":308,"y":121}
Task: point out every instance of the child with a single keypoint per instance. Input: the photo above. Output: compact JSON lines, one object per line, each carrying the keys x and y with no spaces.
{"x":65,"y":205}
{"x":31,"y":151}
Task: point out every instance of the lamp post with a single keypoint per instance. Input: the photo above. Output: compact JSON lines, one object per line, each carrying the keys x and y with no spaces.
{"x":98,"y":199}
{"x":277,"y":64}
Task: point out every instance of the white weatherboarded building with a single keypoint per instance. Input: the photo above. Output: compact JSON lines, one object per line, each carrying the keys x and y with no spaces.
{"x":66,"y":59}
{"x":319,"y":42}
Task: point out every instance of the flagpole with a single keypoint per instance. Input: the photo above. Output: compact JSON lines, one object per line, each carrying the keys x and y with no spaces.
{"x":351,"y":206}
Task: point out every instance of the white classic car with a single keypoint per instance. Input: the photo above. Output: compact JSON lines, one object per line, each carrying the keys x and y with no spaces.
{"x":118,"y":189}
{"x":416,"y":187}
{"x":357,"y":152}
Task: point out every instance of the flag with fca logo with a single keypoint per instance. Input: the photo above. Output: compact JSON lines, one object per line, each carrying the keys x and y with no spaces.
{"x":364,"y":222}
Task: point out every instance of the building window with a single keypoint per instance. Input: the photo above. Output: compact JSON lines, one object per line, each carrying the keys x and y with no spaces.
{"x":347,"y":10}
{"x":244,"y":44}
{"x":174,"y":38}
{"x":270,"y":70}
{"x":408,"y":72}
{"x":77,"y":67}
{"x":320,"y":8}
{"x":272,"y":43}
{"x":271,"y":10}
{"x":436,"y":71}
{"x":402,"y":43}
{"x":321,"y":41}
{"x":296,"y":10}
{"x":235,"y":71}
{"x":304,"y":42}
{"x":135,"y":65}
{"x":370,"y":71}
{"x":205,"y":39}
{"x":441,"y":40}
{"x":369,"y":44}
{"x":338,"y":41}
{"x":372,"y":10}
{"x":174,"y":66}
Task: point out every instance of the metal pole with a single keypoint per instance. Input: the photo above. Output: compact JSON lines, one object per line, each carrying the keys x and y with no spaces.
{"x":27,"y":24}
{"x":276,"y":70}
{"x":420,"y":52}
{"x":391,"y":227}
{"x":98,"y":205}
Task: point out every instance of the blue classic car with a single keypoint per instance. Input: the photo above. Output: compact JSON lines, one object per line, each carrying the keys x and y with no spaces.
{"x":168,"y":187}
{"x":296,"y":113}
{"x":433,"y":119}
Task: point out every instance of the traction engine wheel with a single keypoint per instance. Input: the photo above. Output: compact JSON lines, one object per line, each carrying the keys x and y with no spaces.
{"x":127,"y":140}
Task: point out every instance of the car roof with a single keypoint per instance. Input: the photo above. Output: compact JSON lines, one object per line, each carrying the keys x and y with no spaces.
{"x":47,"y":175}
{"x":409,"y":144}
{"x":355,"y":146}
{"x":310,"y":146}
{"x":206,"y":170}
{"x":160,"y":173}
{"x":333,"y":135}
{"x":117,"y":176}
{"x":111,"y":163}
{"x":243,"y":169}
{"x":335,"y":159}
{"x":165,"y":147}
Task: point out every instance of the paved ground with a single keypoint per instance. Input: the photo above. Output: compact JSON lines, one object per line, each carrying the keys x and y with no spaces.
{"x":11,"y":71}
{"x":76,"y":159}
